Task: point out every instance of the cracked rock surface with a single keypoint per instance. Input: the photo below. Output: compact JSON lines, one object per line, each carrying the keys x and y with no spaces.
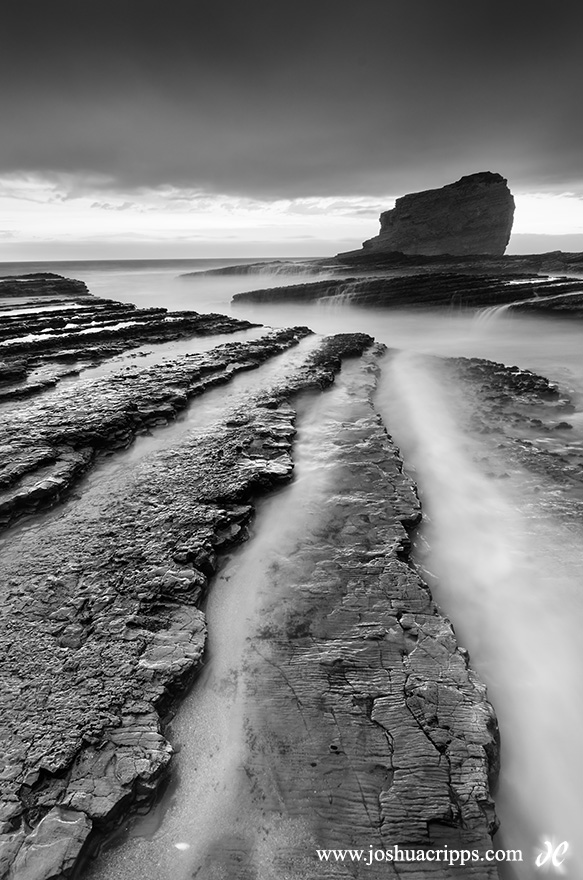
{"x":101,"y":625}
{"x":52,"y":327}
{"x":365,"y":725}
{"x":47,"y":445}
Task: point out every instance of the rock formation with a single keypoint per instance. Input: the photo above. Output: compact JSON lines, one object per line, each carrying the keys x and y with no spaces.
{"x":471,"y":216}
{"x":52,"y":328}
{"x":101,"y":620}
{"x":369,"y":724}
{"x":432,"y":290}
{"x":42,"y":284}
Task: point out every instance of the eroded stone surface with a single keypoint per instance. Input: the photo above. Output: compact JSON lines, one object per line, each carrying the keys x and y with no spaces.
{"x":431,"y":290}
{"x":394,"y":263}
{"x":100,"y":624}
{"x":41,"y":284}
{"x":47,"y":445}
{"x":52,"y":327}
{"x":366,"y":726}
{"x":471,"y":216}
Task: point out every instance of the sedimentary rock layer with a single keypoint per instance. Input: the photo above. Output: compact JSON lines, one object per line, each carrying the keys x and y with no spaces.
{"x":37,"y":350}
{"x":101,"y":626}
{"x":471,"y":216}
{"x":483,"y":264}
{"x":436,"y":290}
{"x":568,"y":305}
{"x":366,"y":726}
{"x":47,"y":445}
{"x":380,"y":730}
{"x":45,"y":284}
{"x":524,"y":420}
{"x":52,"y":328}
{"x":364,"y":262}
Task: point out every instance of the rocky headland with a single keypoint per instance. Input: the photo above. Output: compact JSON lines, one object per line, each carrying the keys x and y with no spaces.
{"x":102,"y":625}
{"x":471,"y":216}
{"x":442,"y":247}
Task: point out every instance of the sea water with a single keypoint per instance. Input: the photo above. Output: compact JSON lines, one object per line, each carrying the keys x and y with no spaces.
{"x":507,"y":573}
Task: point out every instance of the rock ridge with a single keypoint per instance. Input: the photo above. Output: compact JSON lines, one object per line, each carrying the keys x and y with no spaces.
{"x":101,"y":625}
{"x":46,"y":448}
{"x":361,"y":697}
{"x":436,"y":290}
{"x":42,"y":284}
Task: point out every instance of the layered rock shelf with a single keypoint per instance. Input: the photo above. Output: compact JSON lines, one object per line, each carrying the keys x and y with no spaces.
{"x":525,"y":420}
{"x":52,"y":327}
{"x":268,"y":267}
{"x":44,"y":284}
{"x":359,"y":693}
{"x":365,"y":707}
{"x":45,"y":448}
{"x":435,"y":290}
{"x":101,"y":624}
{"x":364,"y":262}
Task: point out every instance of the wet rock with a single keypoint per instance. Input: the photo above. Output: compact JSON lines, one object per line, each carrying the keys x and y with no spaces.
{"x":570,"y":304}
{"x":520,"y":417}
{"x":46,"y":446}
{"x":50,"y":327}
{"x":52,"y":849}
{"x":428,"y":290}
{"x":45,"y":284}
{"x":268,"y":267}
{"x":367,"y":724}
{"x":391,"y":263}
{"x":100,"y":624}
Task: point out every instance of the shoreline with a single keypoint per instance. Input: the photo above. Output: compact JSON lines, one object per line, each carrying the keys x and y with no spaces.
{"x":136,"y":565}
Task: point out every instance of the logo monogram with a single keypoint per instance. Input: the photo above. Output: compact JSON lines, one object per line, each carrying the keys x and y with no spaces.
{"x":556,"y":854}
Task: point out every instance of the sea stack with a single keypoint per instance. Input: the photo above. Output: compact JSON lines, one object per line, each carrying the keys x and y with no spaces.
{"x":471,"y":216}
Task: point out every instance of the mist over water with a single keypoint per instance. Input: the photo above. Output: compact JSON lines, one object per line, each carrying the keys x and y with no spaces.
{"x":509,"y":578}
{"x":507,"y":573}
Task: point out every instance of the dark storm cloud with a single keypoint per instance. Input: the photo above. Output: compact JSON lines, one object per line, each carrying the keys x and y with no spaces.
{"x":278,"y":99}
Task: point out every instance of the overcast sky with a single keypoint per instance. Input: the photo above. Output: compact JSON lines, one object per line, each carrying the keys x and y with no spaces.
{"x":217,"y":124}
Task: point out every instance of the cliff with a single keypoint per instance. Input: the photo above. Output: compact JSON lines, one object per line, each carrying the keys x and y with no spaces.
{"x":471,"y":216}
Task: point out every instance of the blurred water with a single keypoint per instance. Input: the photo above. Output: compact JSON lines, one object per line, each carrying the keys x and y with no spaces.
{"x":509,"y":576}
{"x":213,"y":805}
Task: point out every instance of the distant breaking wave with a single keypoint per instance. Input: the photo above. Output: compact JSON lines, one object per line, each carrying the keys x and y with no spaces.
{"x":272,"y":267}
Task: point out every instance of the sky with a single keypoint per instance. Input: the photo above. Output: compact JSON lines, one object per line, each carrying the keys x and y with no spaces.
{"x":271,"y":128}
